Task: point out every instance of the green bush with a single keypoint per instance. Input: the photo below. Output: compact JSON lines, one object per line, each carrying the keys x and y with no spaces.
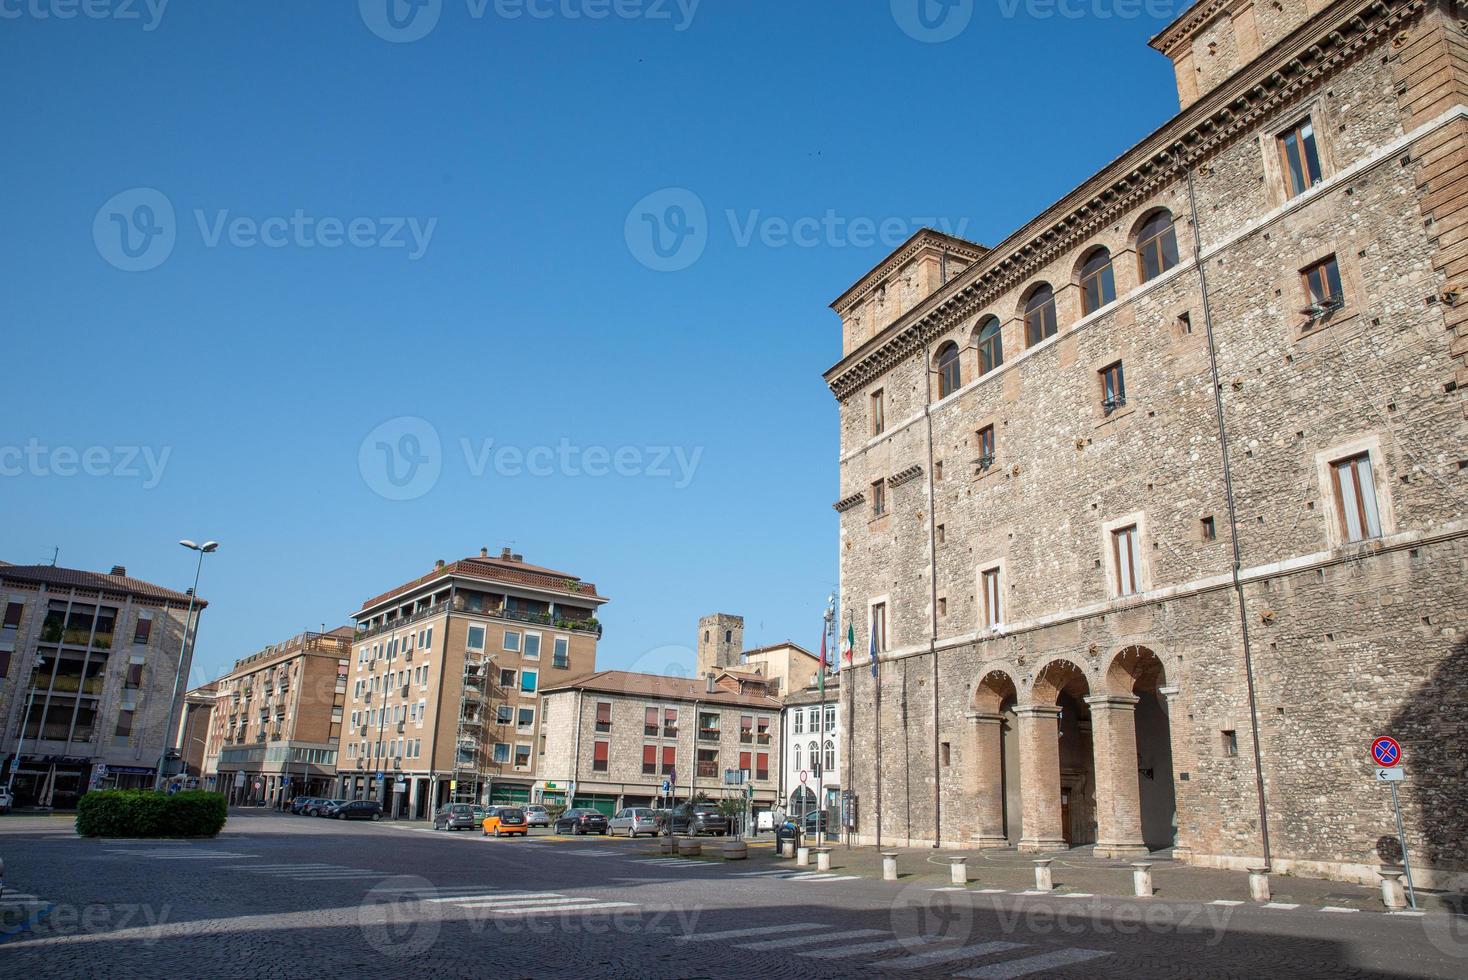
{"x":144,"y":813}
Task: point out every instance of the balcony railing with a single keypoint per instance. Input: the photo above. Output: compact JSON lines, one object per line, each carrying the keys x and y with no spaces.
{"x":401,"y":621}
{"x":708,"y":734}
{"x":707,"y":770}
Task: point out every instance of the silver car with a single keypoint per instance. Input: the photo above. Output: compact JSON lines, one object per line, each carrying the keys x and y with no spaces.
{"x":632,"y":821}
{"x":536,"y":816}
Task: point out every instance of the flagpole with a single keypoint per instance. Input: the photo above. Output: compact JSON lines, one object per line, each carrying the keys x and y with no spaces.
{"x":877,"y":683}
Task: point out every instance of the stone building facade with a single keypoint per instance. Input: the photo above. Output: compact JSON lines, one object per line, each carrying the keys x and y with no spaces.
{"x":88,"y":662}
{"x":1156,"y":509}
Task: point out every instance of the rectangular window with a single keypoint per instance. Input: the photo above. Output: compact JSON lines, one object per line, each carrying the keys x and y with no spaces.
{"x":476,"y":638}
{"x":985,"y":438}
{"x":522,"y":757}
{"x":133,"y":679}
{"x":1355,"y":497}
{"x":1322,"y":288}
{"x":1210,"y":529}
{"x":670,"y":723}
{"x":600,"y":753}
{"x":532,"y":646}
{"x":429,"y":644}
{"x":879,"y":498}
{"x":942,"y":606}
{"x":879,"y":625}
{"x":797,"y":717}
{"x":762,"y":765}
{"x":708,"y":763}
{"x":708,"y":726}
{"x":649,"y":760}
{"x":525,"y":719}
{"x":561,"y":652}
{"x":1124,"y":554}
{"x":124,"y":729}
{"x":503,"y":713}
{"x":746,"y":730}
{"x":670,"y":757}
{"x":830,"y":717}
{"x":1230,"y":742}
{"x":746,"y":760}
{"x":1113,"y":388}
{"x":942,"y":533}
{"x":1184,"y":324}
{"x":1299,"y":156}
{"x":945,"y":752}
{"x":528,"y":680}
{"x":143,"y":630}
{"x":650,"y":722}
{"x":603,"y":716}
{"x":993,"y":607}
{"x":512,"y":641}
{"x":937,"y":471}
{"x":507,"y":677}
{"x":762,"y":731}
{"x":502,"y":752}
{"x":879,"y":413}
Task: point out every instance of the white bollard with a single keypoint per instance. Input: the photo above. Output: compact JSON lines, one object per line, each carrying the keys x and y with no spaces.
{"x":802,"y":856}
{"x":1259,"y":884}
{"x":823,"y":859}
{"x":958,"y":870}
{"x":1393,"y":896}
{"x":1142,"y":879}
{"x":1043,"y":881}
{"x":787,"y":848}
{"x":889,"y":865}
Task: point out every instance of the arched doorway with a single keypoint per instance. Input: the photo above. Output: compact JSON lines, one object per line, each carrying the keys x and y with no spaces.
{"x":1060,"y":773}
{"x":1138,"y":673}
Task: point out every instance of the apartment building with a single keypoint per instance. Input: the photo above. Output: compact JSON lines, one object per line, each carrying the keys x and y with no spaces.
{"x":193,"y":734}
{"x":1155,"y":513}
{"x":812,"y":752}
{"x":277,"y":719}
{"x":446,"y":676}
{"x":617,"y":738}
{"x":87,"y":668}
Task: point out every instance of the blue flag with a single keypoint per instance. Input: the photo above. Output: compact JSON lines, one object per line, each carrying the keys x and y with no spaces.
{"x":873,"y":645}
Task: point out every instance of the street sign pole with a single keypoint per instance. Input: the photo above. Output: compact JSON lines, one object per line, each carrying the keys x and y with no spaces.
{"x":1402,"y":840}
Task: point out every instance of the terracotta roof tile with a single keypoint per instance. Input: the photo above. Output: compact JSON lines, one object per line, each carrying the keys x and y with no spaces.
{"x":496,"y":570}
{"x":97,"y":581}
{"x":661,"y":687}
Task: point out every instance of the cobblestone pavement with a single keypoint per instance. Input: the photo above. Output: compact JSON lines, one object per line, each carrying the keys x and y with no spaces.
{"x":276,"y":895}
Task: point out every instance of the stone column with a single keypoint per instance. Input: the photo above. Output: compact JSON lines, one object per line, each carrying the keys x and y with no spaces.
{"x":1172,"y":703}
{"x":986,"y":736}
{"x":1118,"y":793}
{"x":1039,"y":747}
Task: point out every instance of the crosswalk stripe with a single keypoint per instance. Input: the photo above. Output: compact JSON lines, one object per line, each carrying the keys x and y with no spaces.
{"x":1337,"y":908}
{"x":843,"y":951}
{"x":824,"y":937}
{"x":989,"y":891}
{"x":703,"y":937}
{"x":278,"y":867}
{"x":1281,"y":905}
{"x":492,"y":895}
{"x":509,"y":903}
{"x":944,"y":955}
{"x":1075,"y":895}
{"x":760,"y":874}
{"x":1225,"y":901}
{"x":585,"y":907}
{"x":1034,"y":964}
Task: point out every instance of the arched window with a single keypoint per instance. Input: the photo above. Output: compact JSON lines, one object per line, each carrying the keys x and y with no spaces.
{"x":797,"y":755}
{"x":1157,"y":245}
{"x":1040,"y":314}
{"x":1098,"y":285}
{"x":830,"y":755}
{"x":991,"y":345}
{"x":815,"y":758}
{"x":950,"y":376}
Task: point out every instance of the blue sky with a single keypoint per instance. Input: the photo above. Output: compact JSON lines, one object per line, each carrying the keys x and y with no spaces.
{"x":342,"y":244}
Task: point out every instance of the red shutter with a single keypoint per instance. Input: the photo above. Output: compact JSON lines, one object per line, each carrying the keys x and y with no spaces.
{"x":599,"y":751}
{"x":670,"y":755}
{"x":744,"y":760}
{"x":649,"y":755}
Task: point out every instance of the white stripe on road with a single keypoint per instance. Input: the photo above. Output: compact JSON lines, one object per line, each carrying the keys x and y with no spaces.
{"x":495,"y":895}
{"x":1281,"y":905}
{"x":338,"y":876}
{"x":760,"y":874}
{"x":703,"y":937}
{"x":493,"y":903}
{"x":944,"y":955}
{"x":1225,"y":901}
{"x":989,"y":891}
{"x":1033,"y":964}
{"x":1337,"y":908}
{"x":279,"y":867}
{"x":588,"y":907}
{"x":860,"y":948}
{"x":824,"y":937}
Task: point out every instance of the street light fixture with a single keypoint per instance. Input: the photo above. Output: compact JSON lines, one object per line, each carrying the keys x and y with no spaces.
{"x":183,"y":651}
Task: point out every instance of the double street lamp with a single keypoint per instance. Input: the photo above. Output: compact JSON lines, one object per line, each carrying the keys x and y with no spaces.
{"x":183,"y":652}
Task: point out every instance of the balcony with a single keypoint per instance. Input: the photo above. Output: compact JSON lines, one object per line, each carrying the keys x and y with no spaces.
{"x":708,"y":770}
{"x":708,"y":734}
{"x":393,"y":624}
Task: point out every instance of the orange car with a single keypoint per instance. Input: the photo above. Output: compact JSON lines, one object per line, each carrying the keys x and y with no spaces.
{"x":505,"y":821}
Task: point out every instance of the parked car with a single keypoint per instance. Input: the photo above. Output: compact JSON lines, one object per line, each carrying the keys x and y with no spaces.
{"x":698,"y":818}
{"x":581,"y":820}
{"x":505,"y":821}
{"x":357,"y":810}
{"x":455,"y":816}
{"x":633,"y":821}
{"x":537,"y":816}
{"x":323,"y":808}
{"x":302,"y":804}
{"x":5,"y":801}
{"x":817,"y":821}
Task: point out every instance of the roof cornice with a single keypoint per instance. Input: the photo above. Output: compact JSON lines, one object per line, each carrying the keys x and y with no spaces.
{"x":1188,"y":22}
{"x":923,"y":239}
{"x":1314,"y":50}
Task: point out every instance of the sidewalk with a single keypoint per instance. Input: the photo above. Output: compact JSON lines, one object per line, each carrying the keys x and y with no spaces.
{"x":1079,"y":871}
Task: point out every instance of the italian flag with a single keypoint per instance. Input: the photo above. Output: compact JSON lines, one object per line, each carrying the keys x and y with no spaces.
{"x":848,"y":643}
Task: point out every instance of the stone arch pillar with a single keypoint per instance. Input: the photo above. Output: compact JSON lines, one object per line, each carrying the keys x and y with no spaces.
{"x":1118,"y":793}
{"x":986,"y":735}
{"x":1039,"y":747}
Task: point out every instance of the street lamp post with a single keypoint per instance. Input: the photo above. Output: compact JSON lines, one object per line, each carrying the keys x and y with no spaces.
{"x":24,"y":722}
{"x":183,"y":651}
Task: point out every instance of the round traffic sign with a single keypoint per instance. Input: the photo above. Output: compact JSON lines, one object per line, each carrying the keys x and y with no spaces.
{"x":804,"y":775}
{"x":1385,"y":752}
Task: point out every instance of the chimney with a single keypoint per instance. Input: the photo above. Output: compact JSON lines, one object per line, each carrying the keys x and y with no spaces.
{"x":120,"y":570}
{"x":708,"y":682}
{"x":517,"y":558}
{"x":505,"y":554}
{"x":483,"y":552}
{"x":438,"y":565}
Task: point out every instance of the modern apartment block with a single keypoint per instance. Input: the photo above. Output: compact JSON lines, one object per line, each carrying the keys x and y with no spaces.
{"x":445,"y":679}
{"x":613,"y":739}
{"x":277,"y":719}
{"x":87,"y":668}
{"x":813,"y":751}
{"x":1156,"y":512}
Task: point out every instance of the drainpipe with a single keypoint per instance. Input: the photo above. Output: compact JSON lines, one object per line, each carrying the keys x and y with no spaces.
{"x":1233,"y":520}
{"x":933,"y":598}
